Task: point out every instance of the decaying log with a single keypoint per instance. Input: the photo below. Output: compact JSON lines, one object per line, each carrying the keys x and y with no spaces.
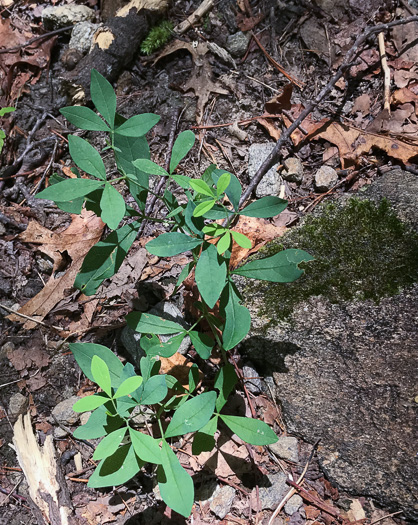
{"x":114,"y":45}
{"x":47,"y":487}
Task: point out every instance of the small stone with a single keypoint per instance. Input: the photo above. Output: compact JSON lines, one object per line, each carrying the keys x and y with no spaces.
{"x":66,"y":15}
{"x":293,"y":505}
{"x":286,"y":448}
{"x":130,"y":341}
{"x":271,"y":496}
{"x":17,"y":405}
{"x":81,"y":36}
{"x":222,"y":501}
{"x":7,"y":350}
{"x":84,"y":417}
{"x":293,"y":171}
{"x":254,"y":384}
{"x":237,"y":44}
{"x":271,"y":182}
{"x":64,"y":412}
{"x":325,"y":178}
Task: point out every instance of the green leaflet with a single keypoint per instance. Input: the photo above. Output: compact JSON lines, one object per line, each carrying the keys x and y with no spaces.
{"x":154,"y":391}
{"x":84,"y":353}
{"x":225,"y":381}
{"x":203,"y":440}
{"x":84,"y":118}
{"x":210,"y":274}
{"x":103,"y":96}
{"x":176,"y":486}
{"x":280,"y":268}
{"x":109,"y":444}
{"x":105,"y":258}
{"x":101,"y":374}
{"x":192,"y":416}
{"x":237,"y":317}
{"x":86,"y":157}
{"x":251,"y":431}
{"x":169,"y":244}
{"x":113,"y":206}
{"x":265,"y":207}
{"x":128,"y":386}
{"x":152,"y":324}
{"x":69,"y":189}
{"x":147,"y":166}
{"x":182,"y":145}
{"x":99,"y":424}
{"x":202,"y":343}
{"x":117,"y":469}
{"x":146,"y":447}
{"x":88,"y":403}
{"x":138,"y":125}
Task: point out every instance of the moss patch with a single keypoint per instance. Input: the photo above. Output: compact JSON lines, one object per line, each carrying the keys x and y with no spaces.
{"x":362,"y":251}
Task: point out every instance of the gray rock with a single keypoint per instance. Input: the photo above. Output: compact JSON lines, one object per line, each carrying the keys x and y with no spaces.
{"x":17,"y":405}
{"x":130,"y":340}
{"x":222,"y":501}
{"x":271,"y":182}
{"x":272,"y":495}
{"x":286,"y":448}
{"x":66,"y":15}
{"x":253,"y":384}
{"x":81,"y":36}
{"x":345,"y":372}
{"x":237,"y":44}
{"x":293,"y":171}
{"x":293,"y":505}
{"x":325,"y":178}
{"x":65,"y":415}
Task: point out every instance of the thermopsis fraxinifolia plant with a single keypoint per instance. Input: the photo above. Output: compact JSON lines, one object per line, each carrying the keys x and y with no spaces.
{"x":125,"y":447}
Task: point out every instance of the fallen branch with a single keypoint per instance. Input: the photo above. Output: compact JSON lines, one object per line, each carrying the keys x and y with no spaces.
{"x":386,"y":71}
{"x":204,"y":7}
{"x":275,"y":154}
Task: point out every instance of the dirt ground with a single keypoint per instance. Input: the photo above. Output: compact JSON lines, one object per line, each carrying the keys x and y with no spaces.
{"x":242,"y":100}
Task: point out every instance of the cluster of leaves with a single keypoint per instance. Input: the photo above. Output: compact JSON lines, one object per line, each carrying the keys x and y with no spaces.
{"x":194,"y":227}
{"x":157,"y":37}
{"x":3,"y":112}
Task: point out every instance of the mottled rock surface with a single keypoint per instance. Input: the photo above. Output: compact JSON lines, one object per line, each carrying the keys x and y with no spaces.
{"x":346,"y":373}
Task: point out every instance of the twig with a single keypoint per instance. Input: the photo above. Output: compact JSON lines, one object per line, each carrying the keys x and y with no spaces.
{"x":149,"y":207}
{"x":292,"y":491}
{"x":312,"y":499}
{"x":17,"y":380}
{"x":386,"y":516}
{"x":204,"y":7}
{"x":46,"y":325}
{"x":35,"y":39}
{"x":274,"y":156}
{"x":11,"y":493}
{"x":295,"y":81}
{"x":386,"y":71}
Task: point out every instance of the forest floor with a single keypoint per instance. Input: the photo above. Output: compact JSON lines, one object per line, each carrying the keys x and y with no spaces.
{"x":239,"y":99}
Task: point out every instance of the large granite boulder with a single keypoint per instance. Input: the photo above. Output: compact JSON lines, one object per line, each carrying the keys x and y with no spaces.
{"x":341,"y":344}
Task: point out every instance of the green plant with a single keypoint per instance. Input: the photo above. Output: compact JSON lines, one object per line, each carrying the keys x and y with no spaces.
{"x":125,"y":449}
{"x":157,"y":37}
{"x":3,"y":112}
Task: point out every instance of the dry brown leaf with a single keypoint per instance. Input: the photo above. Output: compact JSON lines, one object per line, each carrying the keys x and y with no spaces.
{"x":201,"y":80}
{"x":281,"y":101}
{"x":84,"y":232}
{"x":270,"y":127}
{"x":178,"y":366}
{"x":259,"y":231}
{"x":362,"y":104}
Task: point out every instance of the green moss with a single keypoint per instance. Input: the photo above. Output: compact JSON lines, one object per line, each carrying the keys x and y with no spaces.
{"x":362,"y":251}
{"x":157,"y":37}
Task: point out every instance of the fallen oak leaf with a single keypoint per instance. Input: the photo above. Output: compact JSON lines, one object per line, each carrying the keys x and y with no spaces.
{"x":84,"y":232}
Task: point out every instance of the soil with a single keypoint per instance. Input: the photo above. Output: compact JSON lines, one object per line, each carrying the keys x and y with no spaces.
{"x":37,"y":362}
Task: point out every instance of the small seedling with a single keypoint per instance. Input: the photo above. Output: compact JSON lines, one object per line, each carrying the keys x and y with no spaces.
{"x":194,"y":226}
